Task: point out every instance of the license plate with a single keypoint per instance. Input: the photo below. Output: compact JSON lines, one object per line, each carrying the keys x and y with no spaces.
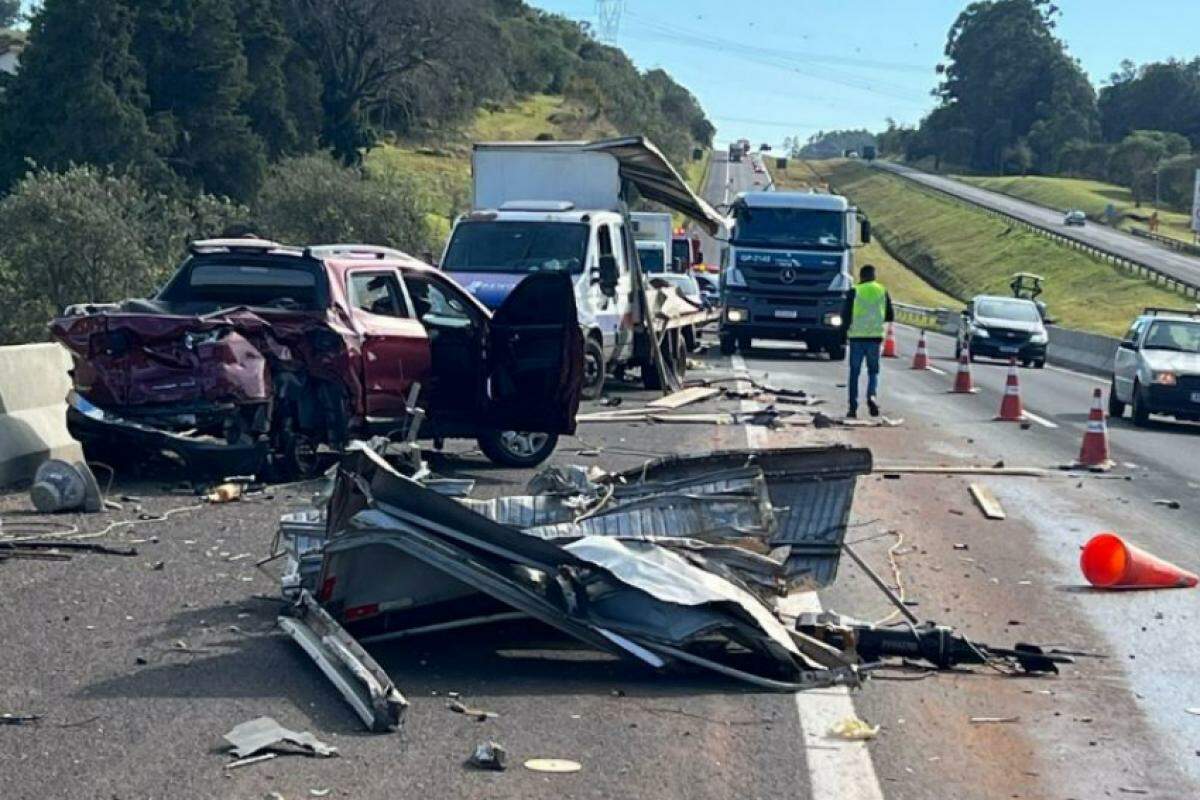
{"x":1010,"y":349}
{"x":786,"y":313}
{"x":1196,"y":397}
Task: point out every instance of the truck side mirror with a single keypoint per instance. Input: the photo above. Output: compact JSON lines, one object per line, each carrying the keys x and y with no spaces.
{"x":608,"y":275}
{"x":865,"y":231}
{"x":1126,"y":344}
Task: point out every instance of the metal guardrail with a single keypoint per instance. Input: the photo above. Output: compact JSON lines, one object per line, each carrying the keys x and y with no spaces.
{"x":1167,"y":241}
{"x":1138,"y":268}
{"x":938,"y":319}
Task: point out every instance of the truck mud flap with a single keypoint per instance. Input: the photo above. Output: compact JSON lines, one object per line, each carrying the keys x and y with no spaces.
{"x":362,"y":682}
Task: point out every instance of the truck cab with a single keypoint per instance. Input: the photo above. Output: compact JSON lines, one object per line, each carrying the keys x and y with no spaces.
{"x":560,"y":207}
{"x":652,"y":237}
{"x":787,"y":269}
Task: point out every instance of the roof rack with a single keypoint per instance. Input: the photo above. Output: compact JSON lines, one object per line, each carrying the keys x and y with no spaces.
{"x":1154,"y":311}
{"x":375,"y":251}
{"x":246,"y":245}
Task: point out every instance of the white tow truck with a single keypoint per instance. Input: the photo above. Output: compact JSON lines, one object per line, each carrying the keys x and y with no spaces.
{"x":562,"y":207}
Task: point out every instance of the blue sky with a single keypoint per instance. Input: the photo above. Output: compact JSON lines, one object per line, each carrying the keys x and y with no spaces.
{"x":766,"y":69}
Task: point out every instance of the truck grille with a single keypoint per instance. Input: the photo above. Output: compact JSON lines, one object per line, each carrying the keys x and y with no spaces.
{"x":805,"y":280}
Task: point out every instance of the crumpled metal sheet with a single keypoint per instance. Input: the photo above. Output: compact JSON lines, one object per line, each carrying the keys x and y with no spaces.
{"x":262,"y":733}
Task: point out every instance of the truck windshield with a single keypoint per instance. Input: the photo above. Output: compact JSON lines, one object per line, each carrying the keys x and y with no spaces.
{"x":652,"y":259}
{"x":517,"y":247}
{"x":792,"y":227}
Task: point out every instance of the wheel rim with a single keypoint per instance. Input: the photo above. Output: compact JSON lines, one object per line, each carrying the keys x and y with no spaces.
{"x":523,"y":445}
{"x":591,"y":369}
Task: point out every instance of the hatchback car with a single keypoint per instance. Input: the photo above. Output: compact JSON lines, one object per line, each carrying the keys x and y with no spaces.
{"x":256,"y":355}
{"x":1156,"y":369}
{"x":1003,"y":327}
{"x":1074,"y":217}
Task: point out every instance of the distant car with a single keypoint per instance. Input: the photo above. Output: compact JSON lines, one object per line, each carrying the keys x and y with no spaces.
{"x":1156,"y":369}
{"x":1075,"y":217}
{"x":1003,"y":327}
{"x":687,"y":285}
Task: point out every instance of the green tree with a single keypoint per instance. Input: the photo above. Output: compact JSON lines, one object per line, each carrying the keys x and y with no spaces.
{"x":197,"y":81}
{"x":10,"y":13}
{"x":80,"y":96}
{"x":1161,"y":96}
{"x":1137,"y":156}
{"x":1007,"y":72}
{"x":315,"y":200}
{"x":90,"y":235}
{"x":281,"y":118}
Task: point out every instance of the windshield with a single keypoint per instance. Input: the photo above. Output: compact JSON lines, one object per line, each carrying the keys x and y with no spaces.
{"x":651,"y":258}
{"x":1178,"y":335}
{"x":517,"y":247}
{"x":795,"y":227}
{"x":681,"y":250}
{"x":1015,"y":310}
{"x":227,"y":284}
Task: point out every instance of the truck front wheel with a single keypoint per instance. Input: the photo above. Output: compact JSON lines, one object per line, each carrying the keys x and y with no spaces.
{"x":728,"y":344}
{"x":837,"y":352}
{"x":593,"y":370}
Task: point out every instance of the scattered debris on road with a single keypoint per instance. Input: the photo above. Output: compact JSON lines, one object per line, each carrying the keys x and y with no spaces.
{"x":560,"y":765}
{"x":476,"y":713}
{"x":19,"y":719}
{"x":252,"y":737}
{"x":987,"y":502}
{"x":1174,"y":505}
{"x":852,"y":729}
{"x":490,"y":756}
{"x":994,"y":720}
{"x":59,"y":486}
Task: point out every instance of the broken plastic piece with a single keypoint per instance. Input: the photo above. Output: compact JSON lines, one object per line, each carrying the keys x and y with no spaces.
{"x":853,"y":729}
{"x":490,"y":755}
{"x":552,"y":765}
{"x":264,"y":733}
{"x":364,"y":684}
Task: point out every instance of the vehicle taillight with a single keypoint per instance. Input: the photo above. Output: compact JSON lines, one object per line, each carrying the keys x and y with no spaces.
{"x":360,"y":612}
{"x":326,"y":591}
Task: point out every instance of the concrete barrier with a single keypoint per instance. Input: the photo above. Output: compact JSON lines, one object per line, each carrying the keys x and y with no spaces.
{"x":33,"y":390}
{"x":1086,"y":352}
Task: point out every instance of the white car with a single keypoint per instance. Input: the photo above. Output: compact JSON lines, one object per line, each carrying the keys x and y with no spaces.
{"x":1156,"y":369}
{"x":1075,"y":217}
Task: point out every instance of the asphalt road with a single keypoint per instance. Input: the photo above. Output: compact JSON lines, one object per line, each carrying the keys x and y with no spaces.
{"x":138,"y":670}
{"x":1127,"y":246}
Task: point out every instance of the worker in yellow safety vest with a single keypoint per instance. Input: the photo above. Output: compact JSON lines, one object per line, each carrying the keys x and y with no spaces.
{"x":868,"y":308}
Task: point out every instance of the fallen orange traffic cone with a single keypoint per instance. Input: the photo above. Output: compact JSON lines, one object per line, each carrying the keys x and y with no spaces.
{"x":889,"y":342}
{"x":1110,"y":563}
{"x":1093,"y":454}
{"x":1010,"y":406}
{"x":921,"y":357}
{"x":962,"y":379}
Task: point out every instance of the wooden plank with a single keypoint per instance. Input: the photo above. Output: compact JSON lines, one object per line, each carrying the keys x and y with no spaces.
{"x":987,"y":502}
{"x":916,"y":469}
{"x":685,"y":397}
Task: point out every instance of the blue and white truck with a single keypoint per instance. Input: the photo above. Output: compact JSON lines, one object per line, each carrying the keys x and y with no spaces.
{"x":563,"y":207}
{"x":787,"y":268}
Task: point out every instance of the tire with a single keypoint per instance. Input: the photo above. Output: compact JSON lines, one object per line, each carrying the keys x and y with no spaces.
{"x":1039,"y":364}
{"x":298,"y":458}
{"x":1141,"y":415}
{"x":837,"y":352}
{"x":679,"y":355}
{"x":594,"y":373}
{"x":744,"y":341}
{"x":520,"y":450}
{"x":958,"y":348}
{"x":728,"y":345}
{"x":674,"y":356}
{"x":1116,"y":409}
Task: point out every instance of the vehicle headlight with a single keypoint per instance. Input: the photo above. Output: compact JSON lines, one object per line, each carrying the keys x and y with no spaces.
{"x":979,"y":332}
{"x":833,"y":319}
{"x":1039,"y":338}
{"x":1165,"y":378}
{"x":737,"y":314}
{"x":734,"y":277}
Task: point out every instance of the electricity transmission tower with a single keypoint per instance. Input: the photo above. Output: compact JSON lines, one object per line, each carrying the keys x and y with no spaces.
{"x":608,"y":19}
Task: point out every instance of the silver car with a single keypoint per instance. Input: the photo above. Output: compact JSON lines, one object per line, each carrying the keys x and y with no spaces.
{"x":1156,"y":369}
{"x":1074,"y":217}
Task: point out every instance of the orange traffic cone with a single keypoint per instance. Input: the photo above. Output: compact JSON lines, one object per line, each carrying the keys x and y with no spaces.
{"x":921,"y":357}
{"x":962,"y":379}
{"x":889,"y":342}
{"x":1010,"y":406}
{"x":1110,"y":563}
{"x":1094,"y":452}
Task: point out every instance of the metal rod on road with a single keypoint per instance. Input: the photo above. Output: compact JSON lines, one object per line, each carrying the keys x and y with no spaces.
{"x":883,"y":587}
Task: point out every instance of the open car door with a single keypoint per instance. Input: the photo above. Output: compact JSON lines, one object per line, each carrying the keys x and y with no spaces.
{"x":534,"y":363}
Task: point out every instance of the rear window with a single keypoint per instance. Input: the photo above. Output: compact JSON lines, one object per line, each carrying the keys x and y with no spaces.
{"x":265,"y":285}
{"x":651,"y":258}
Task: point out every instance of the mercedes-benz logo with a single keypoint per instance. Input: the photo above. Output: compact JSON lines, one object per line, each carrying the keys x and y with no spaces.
{"x":788,"y":275}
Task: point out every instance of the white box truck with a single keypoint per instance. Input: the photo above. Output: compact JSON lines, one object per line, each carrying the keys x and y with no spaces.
{"x":562,"y":207}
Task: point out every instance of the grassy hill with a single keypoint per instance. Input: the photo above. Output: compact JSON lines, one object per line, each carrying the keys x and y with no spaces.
{"x":964,"y":252}
{"x":443,"y":167}
{"x":1093,"y":197}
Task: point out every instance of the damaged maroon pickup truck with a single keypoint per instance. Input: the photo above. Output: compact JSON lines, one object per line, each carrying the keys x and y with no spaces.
{"x":258,"y":356}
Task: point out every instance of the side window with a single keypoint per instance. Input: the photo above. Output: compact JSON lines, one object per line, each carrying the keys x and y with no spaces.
{"x":604,"y":240}
{"x":436,"y":304}
{"x":377,"y":293}
{"x":623,"y":251}
{"x":1135,"y":332}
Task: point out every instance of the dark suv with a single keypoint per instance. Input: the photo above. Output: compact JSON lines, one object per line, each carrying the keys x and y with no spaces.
{"x":257,"y":354}
{"x":1003,"y":327}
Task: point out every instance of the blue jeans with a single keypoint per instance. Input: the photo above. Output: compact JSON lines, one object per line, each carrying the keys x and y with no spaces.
{"x":860,"y":350}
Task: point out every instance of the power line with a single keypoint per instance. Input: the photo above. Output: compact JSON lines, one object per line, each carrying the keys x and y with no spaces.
{"x":608,"y":19}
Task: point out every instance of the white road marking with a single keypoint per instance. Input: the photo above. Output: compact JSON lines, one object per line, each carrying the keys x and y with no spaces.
{"x":932,"y":368}
{"x":837,"y":770}
{"x":1032,"y":417}
{"x":725,"y":200}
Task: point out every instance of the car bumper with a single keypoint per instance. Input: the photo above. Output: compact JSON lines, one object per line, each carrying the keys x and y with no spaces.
{"x":204,"y":456}
{"x":1178,"y":401}
{"x":788,"y":318}
{"x":992,"y":348}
